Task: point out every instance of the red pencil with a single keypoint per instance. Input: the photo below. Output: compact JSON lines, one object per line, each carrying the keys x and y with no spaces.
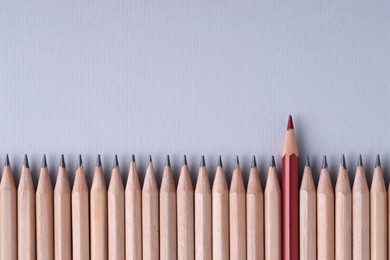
{"x":290,"y":198}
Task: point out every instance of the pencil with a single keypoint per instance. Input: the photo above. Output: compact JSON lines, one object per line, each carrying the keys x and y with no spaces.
{"x":378,"y":211}
{"x":80,"y":215}
{"x":150,"y":224}
{"x":237,"y":215}
{"x":255,"y":214}
{"x":307,"y":215}
{"x":99,"y":222}
{"x":203,"y":240}
{"x":290,"y":192}
{"x":273,"y":215}
{"x":45,"y":214}
{"x":360,"y":214}
{"x":8,"y":240}
{"x":325,"y":215}
{"x":26,"y":214}
{"x":185,"y":214}
{"x":343,"y":215}
{"x":116,"y":214}
{"x":168,"y":214}
{"x":62,"y":215}
{"x":220,"y":214}
{"x":133,"y":214}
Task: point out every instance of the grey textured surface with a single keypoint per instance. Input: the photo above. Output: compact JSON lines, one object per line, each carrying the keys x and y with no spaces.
{"x":193,"y":77}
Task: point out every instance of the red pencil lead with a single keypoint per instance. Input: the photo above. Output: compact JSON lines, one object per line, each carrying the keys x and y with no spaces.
{"x":290,"y":124}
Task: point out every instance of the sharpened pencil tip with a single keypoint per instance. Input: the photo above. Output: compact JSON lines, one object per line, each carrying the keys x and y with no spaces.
{"x":342,"y":162}
{"x":307,"y":163}
{"x":150,"y":158}
{"x":6,"y":162}
{"x":220,"y":162}
{"x":360,"y":161}
{"x":378,"y":161}
{"x":290,"y":124}
{"x":254,"y":163}
{"x":62,"y":161}
{"x":25,"y":162}
{"x":324,"y":162}
{"x":133,"y":158}
{"x":272,"y":162}
{"x":116,"y":163}
{"x":44,"y":163}
{"x":202,"y":161}
{"x":98,"y":161}
{"x":237,"y":161}
{"x":80,"y":161}
{"x":168,"y":161}
{"x":185,"y":160}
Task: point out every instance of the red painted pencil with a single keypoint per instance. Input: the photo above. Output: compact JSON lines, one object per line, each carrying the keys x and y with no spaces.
{"x":290,"y":198}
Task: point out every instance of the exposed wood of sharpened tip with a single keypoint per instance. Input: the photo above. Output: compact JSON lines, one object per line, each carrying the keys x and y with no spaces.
{"x":185,"y":215}
{"x":26,"y":216}
{"x":116,"y":216}
{"x":8,"y":233}
{"x":343,"y":217}
{"x":220,"y":215}
{"x":133,"y":215}
{"x":237,"y":216}
{"x":62,"y":217}
{"x":360,"y":216}
{"x":255,"y":216}
{"x":99,"y":222}
{"x":168,"y":216}
{"x":307,"y":216}
{"x":80,"y":216}
{"x":150,"y":225}
{"x":325,"y":217}
{"x":203,"y":231}
{"x":378,"y":211}
{"x":273,"y":217}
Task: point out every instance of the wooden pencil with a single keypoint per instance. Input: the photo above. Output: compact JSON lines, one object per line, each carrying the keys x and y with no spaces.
{"x":168,"y":214}
{"x":220,"y":214}
{"x":378,"y":211}
{"x":116,"y":214}
{"x":360,"y":214}
{"x":325,"y":215}
{"x":45,"y":215}
{"x":150,"y":223}
{"x":26,"y":214}
{"x":80,"y":215}
{"x":133,"y":214}
{"x":255,"y":215}
{"x":237,"y":216}
{"x":62,"y":215}
{"x":185,"y":214}
{"x":343,"y":215}
{"x":290,"y":195}
{"x":307,"y":215}
{"x":99,"y":222}
{"x":8,"y":221}
{"x":273,"y":215}
{"x":203,"y":230}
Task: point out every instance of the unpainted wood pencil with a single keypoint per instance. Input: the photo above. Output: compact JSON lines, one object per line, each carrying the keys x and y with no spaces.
{"x":8,"y":221}
{"x":237,"y":216}
{"x":343,"y":215}
{"x":80,"y":215}
{"x":185,"y":214}
{"x":26,"y":214}
{"x":273,"y":215}
{"x":99,"y":222}
{"x":133,"y":214}
{"x":360,"y":215}
{"x":116,"y":214}
{"x":203,"y":220}
{"x":378,"y":211}
{"x":44,"y":215}
{"x":220,"y":214}
{"x":150,"y":223}
{"x":62,"y":215}
{"x":307,"y":215}
{"x":168,"y":214}
{"x":325,"y":215}
{"x":255,"y":215}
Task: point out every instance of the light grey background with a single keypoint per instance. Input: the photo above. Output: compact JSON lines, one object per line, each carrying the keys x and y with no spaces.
{"x":193,"y":77}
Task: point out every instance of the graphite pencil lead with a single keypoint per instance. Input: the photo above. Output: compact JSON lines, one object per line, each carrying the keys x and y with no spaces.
{"x":290,"y":124}
{"x":25,"y":162}
{"x":6,"y":163}
{"x":360,"y":161}
{"x":272,"y":162}
{"x":202,"y":161}
{"x":220,"y":162}
{"x":254,"y":163}
{"x":133,"y":158}
{"x":378,"y":161}
{"x":168,"y":161}
{"x":307,"y":163}
{"x":342,"y":162}
{"x":62,"y":161}
{"x":324,"y":162}
{"x":185,"y":160}
{"x":44,"y":163}
{"x":150,"y":158}
{"x":116,"y":163}
{"x":98,"y":161}
{"x":80,"y":161}
{"x":237,"y":161}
